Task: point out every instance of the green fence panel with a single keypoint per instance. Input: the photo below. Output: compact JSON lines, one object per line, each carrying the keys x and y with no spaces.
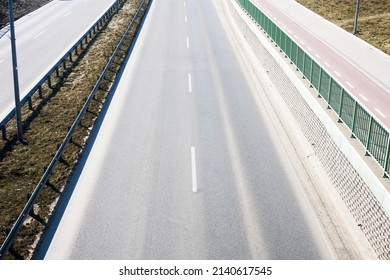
{"x":362,"y":124}
{"x":307,"y":67}
{"x":335,"y":95}
{"x":371,"y":134}
{"x":378,"y":142}
{"x":263,"y":20}
{"x":266,"y":24}
{"x":315,"y":76}
{"x":300,"y":58}
{"x":288,"y":46}
{"x":347,"y":110}
{"x":277,"y":35}
{"x":294,"y":52}
{"x":324,"y":85}
{"x":273,"y":30}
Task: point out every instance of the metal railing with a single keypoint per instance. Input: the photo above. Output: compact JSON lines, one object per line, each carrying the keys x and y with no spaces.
{"x":61,"y":62}
{"x":363,"y":125}
{"x":28,"y":208}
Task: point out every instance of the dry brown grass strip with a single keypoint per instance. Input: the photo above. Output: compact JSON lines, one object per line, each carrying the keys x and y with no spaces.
{"x":374,"y":18}
{"x":22,"y":166}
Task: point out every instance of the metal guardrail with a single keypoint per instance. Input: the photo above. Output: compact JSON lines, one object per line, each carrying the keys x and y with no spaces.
{"x":363,"y":126}
{"x":28,"y":208}
{"x":62,"y":61}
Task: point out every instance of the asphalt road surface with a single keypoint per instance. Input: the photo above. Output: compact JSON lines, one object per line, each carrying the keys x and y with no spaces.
{"x":184,"y":165}
{"x":42,"y":38}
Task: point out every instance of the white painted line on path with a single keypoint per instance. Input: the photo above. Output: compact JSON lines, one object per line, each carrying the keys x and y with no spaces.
{"x":185,"y":19}
{"x":337,"y":73}
{"x":184,"y":3}
{"x":380,"y":113}
{"x":327,"y":64}
{"x":188,"y":43}
{"x":193,"y":166}
{"x":189,"y":82}
{"x":310,"y":49}
{"x":317,"y":55}
{"x":349,"y":84}
{"x":67,"y":14}
{"x":39,"y":34}
{"x":302,"y":42}
{"x":363,"y":97}
{"x":1,"y":61}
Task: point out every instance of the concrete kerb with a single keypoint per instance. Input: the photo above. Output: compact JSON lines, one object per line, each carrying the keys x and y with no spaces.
{"x":368,"y":172}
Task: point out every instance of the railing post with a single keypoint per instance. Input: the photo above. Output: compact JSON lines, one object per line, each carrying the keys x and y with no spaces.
{"x":311,"y":72}
{"x":354,"y":119}
{"x":330,"y":91}
{"x":369,"y":135}
{"x":341,"y":102}
{"x":387,"y":159}
{"x":319,"y":82}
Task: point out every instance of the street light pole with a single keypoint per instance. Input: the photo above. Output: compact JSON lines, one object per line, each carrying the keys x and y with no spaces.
{"x":15,"y":73}
{"x":356,"y":17}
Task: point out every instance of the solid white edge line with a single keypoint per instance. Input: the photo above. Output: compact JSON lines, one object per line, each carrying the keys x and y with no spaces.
{"x":189,"y":83}
{"x":39,"y":34}
{"x":380,"y":113}
{"x":193,"y":167}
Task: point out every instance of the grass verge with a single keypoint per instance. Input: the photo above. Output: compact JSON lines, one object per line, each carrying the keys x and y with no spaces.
{"x":22,"y":165}
{"x":374,"y":18}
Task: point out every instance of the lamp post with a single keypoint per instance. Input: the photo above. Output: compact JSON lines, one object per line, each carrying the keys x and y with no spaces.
{"x":15,"y":73}
{"x":356,"y":17}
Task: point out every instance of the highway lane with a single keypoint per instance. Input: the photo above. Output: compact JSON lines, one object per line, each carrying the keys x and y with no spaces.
{"x":184,"y":165}
{"x":42,"y":38}
{"x":353,"y":63}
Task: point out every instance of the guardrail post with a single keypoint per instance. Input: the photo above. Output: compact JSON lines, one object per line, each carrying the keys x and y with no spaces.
{"x":57,"y":72}
{"x":64,"y":63}
{"x":40,"y":92}
{"x":304,"y":64}
{"x":3,"y":132}
{"x":30,"y":106}
{"x":49,"y":81}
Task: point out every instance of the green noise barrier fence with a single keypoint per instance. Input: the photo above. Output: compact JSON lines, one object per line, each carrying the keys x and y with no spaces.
{"x":374,"y":137}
